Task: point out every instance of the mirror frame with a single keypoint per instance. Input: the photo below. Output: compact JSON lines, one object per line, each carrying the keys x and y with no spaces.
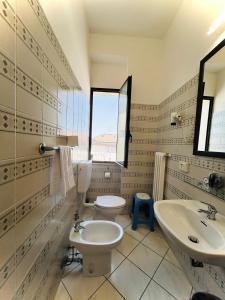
{"x":199,"y":105}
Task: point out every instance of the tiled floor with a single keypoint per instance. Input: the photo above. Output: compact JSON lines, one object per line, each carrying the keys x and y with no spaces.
{"x":143,"y":267}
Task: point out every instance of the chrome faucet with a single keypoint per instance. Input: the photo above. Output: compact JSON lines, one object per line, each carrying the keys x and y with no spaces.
{"x":77,"y":225}
{"x":211,"y":212}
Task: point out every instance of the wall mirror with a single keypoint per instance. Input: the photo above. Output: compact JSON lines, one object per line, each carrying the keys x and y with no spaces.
{"x":209,"y":137}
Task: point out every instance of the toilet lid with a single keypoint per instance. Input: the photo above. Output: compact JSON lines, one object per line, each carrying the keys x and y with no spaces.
{"x":110,"y":201}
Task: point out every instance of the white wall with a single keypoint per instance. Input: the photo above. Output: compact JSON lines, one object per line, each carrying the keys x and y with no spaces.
{"x":187,"y":42}
{"x":143,"y":62}
{"x":108,"y":75}
{"x":68,"y":20}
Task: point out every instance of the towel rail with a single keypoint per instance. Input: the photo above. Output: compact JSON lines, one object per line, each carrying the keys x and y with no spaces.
{"x":43,"y":148}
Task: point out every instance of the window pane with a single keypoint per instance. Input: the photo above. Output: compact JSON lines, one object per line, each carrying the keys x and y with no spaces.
{"x":104,"y":126}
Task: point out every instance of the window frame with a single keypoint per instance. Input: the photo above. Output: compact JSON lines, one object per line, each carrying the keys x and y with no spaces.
{"x":94,"y":89}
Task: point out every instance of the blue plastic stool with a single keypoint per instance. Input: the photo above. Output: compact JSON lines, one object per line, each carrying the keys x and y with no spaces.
{"x":142,"y":199}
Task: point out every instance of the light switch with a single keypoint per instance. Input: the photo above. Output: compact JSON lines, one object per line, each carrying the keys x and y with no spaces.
{"x":184,"y":166}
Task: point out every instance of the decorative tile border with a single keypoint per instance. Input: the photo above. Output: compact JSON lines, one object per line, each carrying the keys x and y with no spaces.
{"x":103,"y":190}
{"x":137,"y":186}
{"x":10,"y":123}
{"x":196,"y":183}
{"x":10,"y":266}
{"x":26,"y":37}
{"x":9,"y":172}
{"x":142,"y":152}
{"x":193,"y":82}
{"x":17,"y":213}
{"x":176,"y":191}
{"x":40,"y":259}
{"x":143,"y":119}
{"x":137,"y":174}
{"x":35,"y":5}
{"x":141,"y":164}
{"x":23,"y":80}
{"x":135,"y":106}
{"x":206,"y":162}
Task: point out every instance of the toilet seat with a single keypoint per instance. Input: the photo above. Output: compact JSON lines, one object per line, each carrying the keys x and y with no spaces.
{"x":110,"y":201}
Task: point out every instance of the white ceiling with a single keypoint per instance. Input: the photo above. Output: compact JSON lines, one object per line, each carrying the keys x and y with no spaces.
{"x":150,"y":18}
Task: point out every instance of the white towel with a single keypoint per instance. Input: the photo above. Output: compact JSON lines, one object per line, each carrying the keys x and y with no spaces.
{"x":66,"y":169}
{"x":61,"y":174}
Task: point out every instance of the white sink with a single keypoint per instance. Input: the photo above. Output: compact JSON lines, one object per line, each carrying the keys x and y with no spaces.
{"x":180,"y":219}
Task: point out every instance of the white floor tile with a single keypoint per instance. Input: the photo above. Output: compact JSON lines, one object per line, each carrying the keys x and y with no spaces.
{"x":117,"y":258}
{"x":62,"y":293}
{"x":155,"y":292}
{"x":127,"y":244}
{"x":123,"y":220}
{"x":173,"y":280}
{"x":156,"y":242}
{"x":171,"y":258}
{"x":80,"y":287}
{"x":138,"y":234}
{"x":145,"y":259}
{"x":106,"y":292}
{"x":129,"y":280}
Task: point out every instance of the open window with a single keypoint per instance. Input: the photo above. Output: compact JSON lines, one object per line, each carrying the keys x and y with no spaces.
{"x":109,"y":124}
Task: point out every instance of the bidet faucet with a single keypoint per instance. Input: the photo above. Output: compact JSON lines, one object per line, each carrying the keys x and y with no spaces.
{"x":211,"y":212}
{"x":77,"y":225}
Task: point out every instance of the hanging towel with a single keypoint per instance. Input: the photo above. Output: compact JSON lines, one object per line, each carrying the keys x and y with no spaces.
{"x":66,"y":169}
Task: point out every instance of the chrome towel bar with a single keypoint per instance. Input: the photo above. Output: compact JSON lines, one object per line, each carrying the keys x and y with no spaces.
{"x":43,"y":148}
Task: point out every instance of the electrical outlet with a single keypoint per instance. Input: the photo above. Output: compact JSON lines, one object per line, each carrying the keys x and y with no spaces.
{"x":184,"y":166}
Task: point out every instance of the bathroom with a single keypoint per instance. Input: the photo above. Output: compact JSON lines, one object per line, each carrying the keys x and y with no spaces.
{"x":55,"y":55}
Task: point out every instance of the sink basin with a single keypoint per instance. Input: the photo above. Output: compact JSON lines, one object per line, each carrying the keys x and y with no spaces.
{"x":201,"y":238}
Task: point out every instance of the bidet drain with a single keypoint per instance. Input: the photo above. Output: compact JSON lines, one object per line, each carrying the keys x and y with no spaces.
{"x":193,"y":239}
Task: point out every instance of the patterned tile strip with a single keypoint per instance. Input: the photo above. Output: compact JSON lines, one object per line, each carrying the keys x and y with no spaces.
{"x":23,"y":80}
{"x":47,"y":27}
{"x":9,"y":172}
{"x":196,"y":183}
{"x":25,"y":35}
{"x":206,"y":163}
{"x":41,"y":259}
{"x":9,"y":123}
{"x":16,"y":214}
{"x":10,"y":266}
{"x":176,"y":191}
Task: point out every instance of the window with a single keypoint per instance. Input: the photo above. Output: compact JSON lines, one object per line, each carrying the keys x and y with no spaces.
{"x":109,"y":124}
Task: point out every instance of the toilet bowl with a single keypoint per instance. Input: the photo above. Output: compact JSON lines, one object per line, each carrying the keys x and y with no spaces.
{"x":95,"y":242}
{"x":108,"y":207}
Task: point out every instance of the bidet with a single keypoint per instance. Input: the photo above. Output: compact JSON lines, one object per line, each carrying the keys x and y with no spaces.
{"x":95,"y":241}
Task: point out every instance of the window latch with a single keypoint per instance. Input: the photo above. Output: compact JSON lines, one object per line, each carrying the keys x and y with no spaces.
{"x":130,"y":138}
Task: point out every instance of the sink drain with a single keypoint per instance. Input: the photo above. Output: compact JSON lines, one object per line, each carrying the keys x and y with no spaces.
{"x":193,"y":239}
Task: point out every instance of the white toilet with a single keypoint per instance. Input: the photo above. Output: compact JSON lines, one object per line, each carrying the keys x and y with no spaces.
{"x":95,"y":242}
{"x":106,"y":207}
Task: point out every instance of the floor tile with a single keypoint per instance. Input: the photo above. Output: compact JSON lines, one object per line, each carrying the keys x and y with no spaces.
{"x":129,"y":280}
{"x":127,"y":244}
{"x":155,"y":292}
{"x":156,"y":241}
{"x":173,"y":280}
{"x":106,"y":292}
{"x":138,"y":234}
{"x":117,"y":258}
{"x":80,"y":287}
{"x":171,"y":258}
{"x":62,"y":293}
{"x":145,"y":259}
{"x":123,"y":220}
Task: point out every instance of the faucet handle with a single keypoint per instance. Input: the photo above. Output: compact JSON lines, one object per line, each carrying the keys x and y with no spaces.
{"x":211,"y":207}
